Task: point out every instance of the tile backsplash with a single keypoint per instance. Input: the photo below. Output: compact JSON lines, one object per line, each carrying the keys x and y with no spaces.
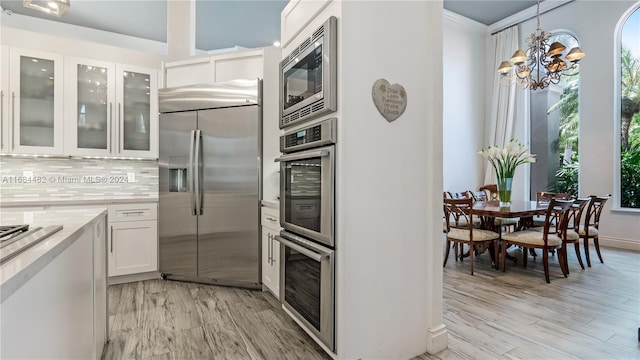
{"x":76,"y":179}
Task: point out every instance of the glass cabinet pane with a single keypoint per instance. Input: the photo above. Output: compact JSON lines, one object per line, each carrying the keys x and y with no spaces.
{"x":137,"y":106}
{"x":36,"y":101}
{"x":92,"y":107}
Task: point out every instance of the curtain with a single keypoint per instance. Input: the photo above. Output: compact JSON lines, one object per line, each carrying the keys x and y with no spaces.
{"x":507,"y":103}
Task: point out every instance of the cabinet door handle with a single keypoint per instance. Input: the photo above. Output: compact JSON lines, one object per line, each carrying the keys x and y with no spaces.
{"x":2,"y":119}
{"x":111,"y":246}
{"x":271,"y":219}
{"x":118,"y":129}
{"x":273,"y":259}
{"x":110,"y":142}
{"x":13,"y":119}
{"x":269,"y":248}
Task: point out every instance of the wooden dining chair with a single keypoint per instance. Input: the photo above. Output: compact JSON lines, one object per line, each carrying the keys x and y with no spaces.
{"x":543,"y":198}
{"x":591,"y":226}
{"x":454,"y":211}
{"x":550,"y":238}
{"x":571,"y":236}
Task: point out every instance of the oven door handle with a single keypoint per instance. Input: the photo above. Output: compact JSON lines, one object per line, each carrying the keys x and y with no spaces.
{"x":306,"y":252}
{"x":305,"y":155}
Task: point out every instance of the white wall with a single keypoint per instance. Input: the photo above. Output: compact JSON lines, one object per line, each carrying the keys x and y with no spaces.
{"x":389,"y":175}
{"x":464,"y":103}
{"x":594,"y":23}
{"x":390,"y":182}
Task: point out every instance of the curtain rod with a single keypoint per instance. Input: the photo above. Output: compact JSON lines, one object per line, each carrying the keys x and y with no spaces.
{"x":529,"y":18}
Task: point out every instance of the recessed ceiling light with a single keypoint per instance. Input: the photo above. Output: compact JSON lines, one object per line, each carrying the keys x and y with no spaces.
{"x":146,"y":79}
{"x":34,"y":60}
{"x":43,"y":69}
{"x":147,"y":87}
{"x":276,"y":43}
{"x":50,"y":77}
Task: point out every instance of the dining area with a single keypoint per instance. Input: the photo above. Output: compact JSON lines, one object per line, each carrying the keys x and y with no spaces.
{"x":488,"y":220}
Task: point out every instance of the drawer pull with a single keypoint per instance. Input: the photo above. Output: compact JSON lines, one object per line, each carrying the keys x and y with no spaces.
{"x":133,"y":212}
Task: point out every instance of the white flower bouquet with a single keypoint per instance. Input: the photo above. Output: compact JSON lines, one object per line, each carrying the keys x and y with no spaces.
{"x":505,"y":161}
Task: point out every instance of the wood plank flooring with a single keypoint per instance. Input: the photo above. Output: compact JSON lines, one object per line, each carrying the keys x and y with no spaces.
{"x":592,"y":314}
{"x":160,"y":319}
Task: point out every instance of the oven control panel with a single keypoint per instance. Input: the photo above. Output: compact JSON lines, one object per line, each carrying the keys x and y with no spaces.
{"x":320,"y":134}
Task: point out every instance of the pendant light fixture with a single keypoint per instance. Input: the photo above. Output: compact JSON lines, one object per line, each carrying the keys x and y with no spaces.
{"x":53,"y":7}
{"x":542,"y":64}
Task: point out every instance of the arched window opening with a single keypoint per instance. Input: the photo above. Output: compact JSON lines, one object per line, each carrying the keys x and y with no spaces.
{"x":629,"y":68}
{"x":554,"y":131}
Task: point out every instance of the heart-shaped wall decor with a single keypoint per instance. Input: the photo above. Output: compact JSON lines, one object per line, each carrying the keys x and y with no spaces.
{"x":390,"y":100}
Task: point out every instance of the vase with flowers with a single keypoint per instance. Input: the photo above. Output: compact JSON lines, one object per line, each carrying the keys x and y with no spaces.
{"x":505,"y":161}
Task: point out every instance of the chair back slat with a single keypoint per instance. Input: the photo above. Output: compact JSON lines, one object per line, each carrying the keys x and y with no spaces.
{"x":574,"y":214}
{"x":594,"y":210}
{"x":557,"y":213}
{"x":458,"y":213}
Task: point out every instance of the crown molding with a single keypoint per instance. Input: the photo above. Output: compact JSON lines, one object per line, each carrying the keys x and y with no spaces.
{"x":469,"y":24}
{"x":525,"y":15}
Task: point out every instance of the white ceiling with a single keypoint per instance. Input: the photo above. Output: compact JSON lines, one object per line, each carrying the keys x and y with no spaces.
{"x":223,"y":24}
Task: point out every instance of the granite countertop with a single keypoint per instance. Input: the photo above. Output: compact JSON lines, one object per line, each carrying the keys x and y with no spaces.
{"x":20,"y":202}
{"x":17,"y":271}
{"x":274,"y":204}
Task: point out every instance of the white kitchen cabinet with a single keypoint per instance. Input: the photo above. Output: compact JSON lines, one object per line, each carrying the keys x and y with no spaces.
{"x":110,"y":109}
{"x":270,"y":250}
{"x":247,"y":64}
{"x":35,"y":102}
{"x":90,"y":97}
{"x":137,"y":111}
{"x":133,"y":239}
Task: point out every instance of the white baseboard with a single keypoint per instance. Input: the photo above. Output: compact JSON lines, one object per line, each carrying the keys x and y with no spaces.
{"x":625,"y":244}
{"x":113,"y":280}
{"x":437,"y":339}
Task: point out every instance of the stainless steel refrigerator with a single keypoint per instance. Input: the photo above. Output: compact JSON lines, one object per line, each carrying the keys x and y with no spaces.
{"x":210,"y":155}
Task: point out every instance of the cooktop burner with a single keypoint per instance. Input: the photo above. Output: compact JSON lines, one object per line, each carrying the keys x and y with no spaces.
{"x":14,"y":239}
{"x":8,"y":231}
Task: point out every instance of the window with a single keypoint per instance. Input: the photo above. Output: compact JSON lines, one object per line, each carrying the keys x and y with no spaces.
{"x":629,"y":111}
{"x":554,"y":131}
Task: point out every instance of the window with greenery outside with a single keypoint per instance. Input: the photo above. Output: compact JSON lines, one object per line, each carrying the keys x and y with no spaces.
{"x":630,"y":112}
{"x":554,"y":131}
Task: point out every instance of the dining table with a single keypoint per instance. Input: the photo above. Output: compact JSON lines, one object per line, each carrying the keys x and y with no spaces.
{"x":524,"y":210}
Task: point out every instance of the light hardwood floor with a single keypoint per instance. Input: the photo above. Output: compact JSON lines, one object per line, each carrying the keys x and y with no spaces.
{"x":160,"y":319}
{"x":592,"y":314}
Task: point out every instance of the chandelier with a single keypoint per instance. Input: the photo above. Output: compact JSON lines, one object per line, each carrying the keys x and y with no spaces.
{"x":542,"y":64}
{"x":52,"y":7}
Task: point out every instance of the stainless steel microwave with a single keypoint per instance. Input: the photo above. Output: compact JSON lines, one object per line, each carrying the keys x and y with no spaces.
{"x":308,"y":77}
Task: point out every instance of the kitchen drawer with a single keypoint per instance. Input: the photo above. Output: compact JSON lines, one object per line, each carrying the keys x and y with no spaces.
{"x":133,"y":212}
{"x":270,"y":218}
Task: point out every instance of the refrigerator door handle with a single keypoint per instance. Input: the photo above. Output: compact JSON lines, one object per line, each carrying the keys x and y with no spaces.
{"x":191,"y":173}
{"x":198,"y":167}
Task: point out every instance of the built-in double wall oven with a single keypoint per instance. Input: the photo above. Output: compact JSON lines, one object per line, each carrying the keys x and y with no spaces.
{"x":307,"y":196}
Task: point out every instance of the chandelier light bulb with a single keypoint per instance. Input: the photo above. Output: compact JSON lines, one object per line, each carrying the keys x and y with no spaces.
{"x":575,"y":54}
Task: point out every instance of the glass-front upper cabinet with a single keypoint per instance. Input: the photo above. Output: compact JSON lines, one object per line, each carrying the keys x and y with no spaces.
{"x":90,"y":97}
{"x":111,"y":109}
{"x":35,"y":102}
{"x":137,"y":94}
